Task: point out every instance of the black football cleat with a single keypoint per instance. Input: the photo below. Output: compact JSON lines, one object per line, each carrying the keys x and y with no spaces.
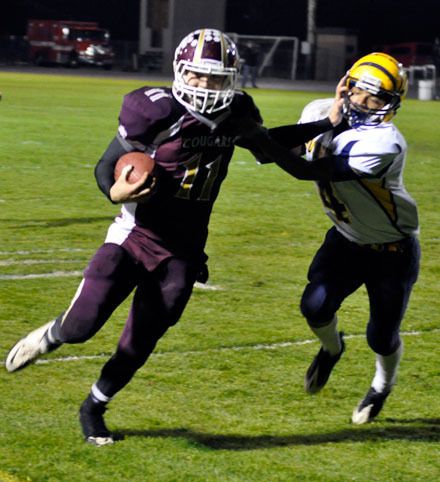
{"x":92,"y":423}
{"x":369,"y":407}
{"x":321,"y":367}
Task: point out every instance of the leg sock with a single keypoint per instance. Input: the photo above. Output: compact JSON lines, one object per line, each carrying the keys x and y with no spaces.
{"x":386,"y":370}
{"x":329,"y":336}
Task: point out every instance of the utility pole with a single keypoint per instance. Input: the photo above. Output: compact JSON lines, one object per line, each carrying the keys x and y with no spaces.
{"x":311,"y":37}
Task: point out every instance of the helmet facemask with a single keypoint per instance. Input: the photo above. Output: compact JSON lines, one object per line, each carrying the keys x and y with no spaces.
{"x":204,"y":100}
{"x":358,"y":115}
{"x":210,"y":53}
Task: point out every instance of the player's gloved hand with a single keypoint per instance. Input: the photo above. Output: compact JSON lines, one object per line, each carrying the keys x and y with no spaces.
{"x":140,"y":191}
{"x":245,"y":127}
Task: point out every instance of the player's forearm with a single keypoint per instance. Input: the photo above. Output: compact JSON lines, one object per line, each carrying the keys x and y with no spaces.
{"x":104,"y":170}
{"x":288,"y":137}
{"x":269,"y":150}
{"x":331,"y":168}
{"x":296,"y":134}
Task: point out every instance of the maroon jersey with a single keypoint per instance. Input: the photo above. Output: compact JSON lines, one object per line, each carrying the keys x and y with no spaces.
{"x":192,"y":154}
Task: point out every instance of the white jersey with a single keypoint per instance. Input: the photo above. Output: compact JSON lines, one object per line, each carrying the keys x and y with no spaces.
{"x":376,"y":208}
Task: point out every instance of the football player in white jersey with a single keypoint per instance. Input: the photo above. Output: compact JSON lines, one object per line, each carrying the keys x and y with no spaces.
{"x":358,"y":168}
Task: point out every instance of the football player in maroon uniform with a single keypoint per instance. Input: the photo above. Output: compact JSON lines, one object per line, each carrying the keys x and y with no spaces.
{"x":155,"y":247}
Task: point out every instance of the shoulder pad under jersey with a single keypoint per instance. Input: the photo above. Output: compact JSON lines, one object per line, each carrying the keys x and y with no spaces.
{"x":316,"y":110}
{"x":145,"y":107}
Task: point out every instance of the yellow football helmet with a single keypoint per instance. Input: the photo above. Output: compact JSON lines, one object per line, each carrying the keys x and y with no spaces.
{"x":381,"y":75}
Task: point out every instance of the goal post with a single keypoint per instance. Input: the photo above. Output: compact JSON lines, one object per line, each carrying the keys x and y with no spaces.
{"x":278,"y":55}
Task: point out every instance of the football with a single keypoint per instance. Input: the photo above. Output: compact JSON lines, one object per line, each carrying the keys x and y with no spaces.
{"x":141,"y":163}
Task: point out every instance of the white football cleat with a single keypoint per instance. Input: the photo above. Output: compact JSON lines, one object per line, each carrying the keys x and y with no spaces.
{"x":100,"y":441}
{"x":29,"y":348}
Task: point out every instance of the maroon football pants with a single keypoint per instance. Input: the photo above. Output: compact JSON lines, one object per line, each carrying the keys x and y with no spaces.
{"x":158,"y":302}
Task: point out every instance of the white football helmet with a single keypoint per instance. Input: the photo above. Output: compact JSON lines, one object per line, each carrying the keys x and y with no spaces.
{"x":210,"y":52}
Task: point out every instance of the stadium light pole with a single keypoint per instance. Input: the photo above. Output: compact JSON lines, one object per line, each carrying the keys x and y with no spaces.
{"x":311,"y":37}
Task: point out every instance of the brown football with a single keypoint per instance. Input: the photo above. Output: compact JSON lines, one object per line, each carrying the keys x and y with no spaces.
{"x":140,"y":161}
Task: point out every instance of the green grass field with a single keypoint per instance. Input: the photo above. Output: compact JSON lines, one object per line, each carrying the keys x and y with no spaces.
{"x":222,"y":397}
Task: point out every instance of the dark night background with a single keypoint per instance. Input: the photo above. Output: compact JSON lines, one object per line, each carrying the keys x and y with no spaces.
{"x":375,"y":21}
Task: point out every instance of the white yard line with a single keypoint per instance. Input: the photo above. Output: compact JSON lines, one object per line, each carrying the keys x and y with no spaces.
{"x":43,"y":251}
{"x":54,"y":274}
{"x":257,"y":347}
{"x":28,"y":262}
{"x":208,"y":287}
{"x":71,"y":274}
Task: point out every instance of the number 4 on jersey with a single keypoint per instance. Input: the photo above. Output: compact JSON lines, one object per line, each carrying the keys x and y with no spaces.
{"x":331,"y":202}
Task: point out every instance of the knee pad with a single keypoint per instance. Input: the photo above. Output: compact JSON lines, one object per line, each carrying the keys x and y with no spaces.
{"x":316,"y":305}
{"x":383,"y":342}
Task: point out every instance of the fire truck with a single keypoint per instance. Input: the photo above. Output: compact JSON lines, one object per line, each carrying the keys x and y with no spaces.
{"x":69,"y":43}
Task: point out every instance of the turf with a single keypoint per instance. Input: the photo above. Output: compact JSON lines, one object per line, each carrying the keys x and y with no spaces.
{"x":222,"y":398}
